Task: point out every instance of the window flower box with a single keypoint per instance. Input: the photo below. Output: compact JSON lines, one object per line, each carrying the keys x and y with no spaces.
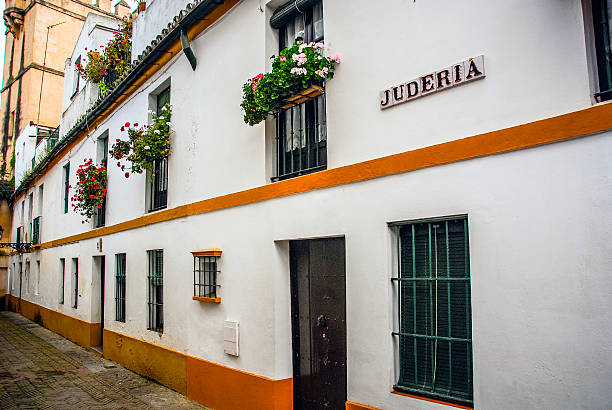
{"x":298,"y":74}
{"x":303,"y":96}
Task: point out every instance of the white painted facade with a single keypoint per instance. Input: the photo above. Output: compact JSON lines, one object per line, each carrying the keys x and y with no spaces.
{"x":97,"y":31}
{"x":539,"y":241}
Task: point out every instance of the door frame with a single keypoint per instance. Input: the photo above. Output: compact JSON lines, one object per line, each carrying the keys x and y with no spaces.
{"x":297,"y":322}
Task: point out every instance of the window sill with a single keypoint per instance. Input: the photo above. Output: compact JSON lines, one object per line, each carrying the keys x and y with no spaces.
{"x":207,"y":300}
{"x":157,"y":209}
{"x":459,"y":406}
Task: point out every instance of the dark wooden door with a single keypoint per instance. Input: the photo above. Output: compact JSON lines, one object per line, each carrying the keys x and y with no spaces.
{"x":318,"y":311}
{"x":102,"y":286}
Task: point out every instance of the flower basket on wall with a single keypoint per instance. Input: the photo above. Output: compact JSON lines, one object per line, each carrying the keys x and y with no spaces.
{"x":144,"y":144}
{"x":90,"y":189}
{"x":298,"y":74}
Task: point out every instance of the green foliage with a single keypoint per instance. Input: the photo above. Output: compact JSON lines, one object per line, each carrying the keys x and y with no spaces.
{"x":90,"y":189}
{"x":295,"y":69}
{"x":114,"y":56}
{"x":144,"y":144}
{"x":95,"y":67}
{"x":7,"y":187}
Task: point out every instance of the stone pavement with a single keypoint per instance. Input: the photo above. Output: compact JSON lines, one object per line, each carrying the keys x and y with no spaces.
{"x":41,"y":370}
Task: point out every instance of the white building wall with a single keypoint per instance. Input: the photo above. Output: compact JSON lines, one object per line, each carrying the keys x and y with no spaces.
{"x":539,"y":262}
{"x":97,"y":31}
{"x":152,"y":21}
{"x":539,"y":247}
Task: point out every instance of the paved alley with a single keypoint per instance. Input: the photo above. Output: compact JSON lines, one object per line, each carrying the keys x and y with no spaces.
{"x":42,"y":370}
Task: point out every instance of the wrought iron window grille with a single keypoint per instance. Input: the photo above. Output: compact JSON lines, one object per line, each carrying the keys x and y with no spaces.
{"x":434,"y":306}
{"x":205,"y":275}
{"x":120,"y":287}
{"x":155,"y":299}
{"x":301,"y":130}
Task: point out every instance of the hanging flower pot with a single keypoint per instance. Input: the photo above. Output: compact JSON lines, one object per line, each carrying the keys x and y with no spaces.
{"x":90,"y":189}
{"x":298,"y":74}
{"x":144,"y":144}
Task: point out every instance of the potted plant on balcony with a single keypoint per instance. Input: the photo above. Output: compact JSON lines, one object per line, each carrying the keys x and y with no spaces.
{"x":105,"y":63}
{"x":298,"y":73}
{"x":145,"y":144}
{"x":90,"y":189}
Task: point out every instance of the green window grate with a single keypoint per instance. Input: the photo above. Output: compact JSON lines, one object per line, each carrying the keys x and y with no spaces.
{"x":120,"y":287}
{"x":435,"y":319}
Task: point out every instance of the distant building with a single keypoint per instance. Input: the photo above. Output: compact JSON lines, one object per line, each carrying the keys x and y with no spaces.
{"x":431,"y":231}
{"x":40,"y":36}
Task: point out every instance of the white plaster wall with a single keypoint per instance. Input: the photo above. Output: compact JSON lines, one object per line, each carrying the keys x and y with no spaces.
{"x":535,"y":61}
{"x":152,"y":21}
{"x":25,"y":147}
{"x":539,"y":262}
{"x":536,"y":217}
{"x":97,"y":31}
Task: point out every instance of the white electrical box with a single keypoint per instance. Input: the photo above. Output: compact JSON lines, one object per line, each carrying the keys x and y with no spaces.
{"x":231,"y":333}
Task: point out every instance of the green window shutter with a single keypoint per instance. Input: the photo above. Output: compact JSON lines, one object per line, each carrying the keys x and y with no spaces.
{"x":289,"y":11}
{"x":435,"y":326}
{"x":163,"y":98}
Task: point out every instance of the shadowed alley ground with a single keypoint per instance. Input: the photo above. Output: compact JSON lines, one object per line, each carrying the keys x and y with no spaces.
{"x":42,"y":370}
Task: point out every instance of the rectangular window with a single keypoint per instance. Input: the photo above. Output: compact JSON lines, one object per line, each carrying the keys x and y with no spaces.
{"x":11,"y":127}
{"x":435,"y":318}
{"x":37,"y":284}
{"x":36,"y":230}
{"x":30,"y":233}
{"x":602,"y":13}
{"x":75,"y":80}
{"x":102,"y":148}
{"x":75,"y":282}
{"x":155,"y":301}
{"x":66,"y":174}
{"x":62,"y":280}
{"x":301,"y":131}
{"x":159,"y":180}
{"x":120,"y":287}
{"x":205,"y":270}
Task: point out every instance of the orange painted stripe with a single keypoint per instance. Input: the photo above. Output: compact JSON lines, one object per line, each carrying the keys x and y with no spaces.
{"x":356,"y":406}
{"x":193,"y":357}
{"x":154,"y":67}
{"x":575,"y":124}
{"x":77,"y":330}
{"x":459,"y":406}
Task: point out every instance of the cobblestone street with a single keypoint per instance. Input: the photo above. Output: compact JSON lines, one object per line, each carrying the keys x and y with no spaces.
{"x":41,"y":370}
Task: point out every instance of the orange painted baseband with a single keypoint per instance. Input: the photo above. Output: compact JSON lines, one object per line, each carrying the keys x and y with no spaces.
{"x":163,"y":365}
{"x":575,"y":124}
{"x":211,"y":384}
{"x":209,"y":300}
{"x":459,"y":406}
{"x":356,"y":406}
{"x":83,"y":333}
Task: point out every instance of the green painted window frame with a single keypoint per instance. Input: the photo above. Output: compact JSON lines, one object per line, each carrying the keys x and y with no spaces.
{"x":66,"y":174}
{"x":434,"y":309}
{"x":76,"y":78}
{"x":120,"y":272}
{"x":603,"y":48}
{"x":63,"y":280}
{"x":159,"y":183}
{"x":155,"y":294}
